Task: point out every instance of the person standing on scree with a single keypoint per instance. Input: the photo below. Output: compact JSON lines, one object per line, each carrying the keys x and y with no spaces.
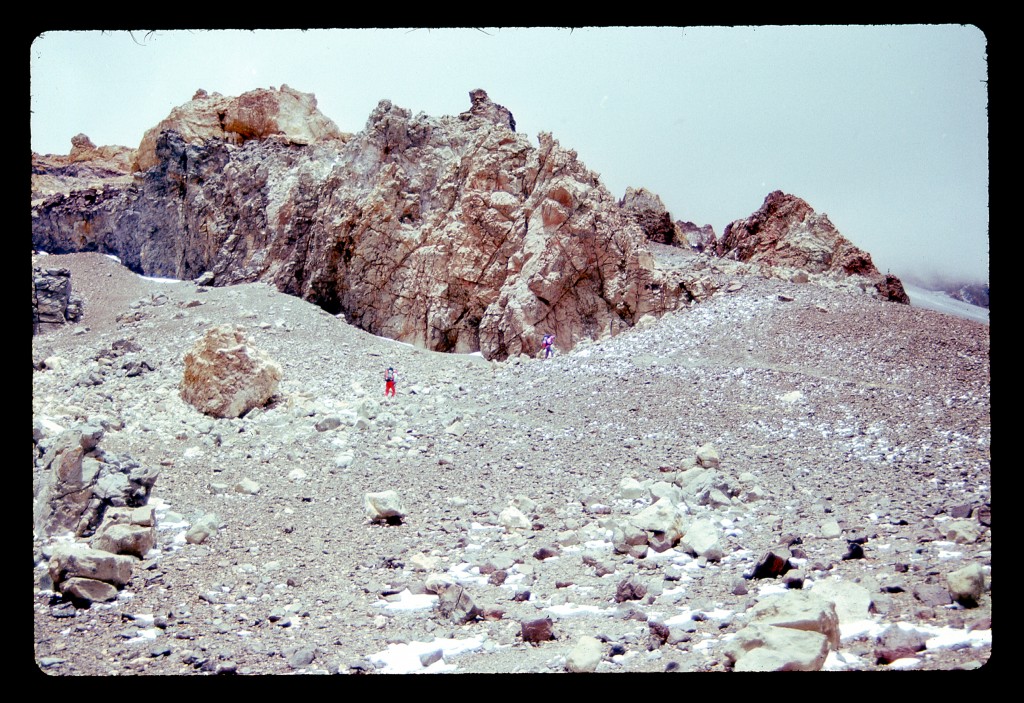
{"x":390,"y":378}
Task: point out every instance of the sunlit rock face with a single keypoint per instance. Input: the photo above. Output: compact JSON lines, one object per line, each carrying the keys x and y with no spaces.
{"x":451,"y":233}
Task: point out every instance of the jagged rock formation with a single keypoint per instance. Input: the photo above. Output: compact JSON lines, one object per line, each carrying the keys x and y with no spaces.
{"x":701,"y":238}
{"x":53,"y":303}
{"x":482,"y":106}
{"x":451,"y":233}
{"x":75,"y":481}
{"x":286,"y":113}
{"x":787,"y":232}
{"x":647,"y":210}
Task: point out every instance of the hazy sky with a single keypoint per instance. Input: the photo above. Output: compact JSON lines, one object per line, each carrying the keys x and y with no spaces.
{"x":884,"y":128}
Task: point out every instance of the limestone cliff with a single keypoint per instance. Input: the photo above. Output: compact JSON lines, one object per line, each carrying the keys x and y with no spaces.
{"x":451,"y":233}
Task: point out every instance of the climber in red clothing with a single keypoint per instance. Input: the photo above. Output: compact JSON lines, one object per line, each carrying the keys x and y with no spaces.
{"x":390,"y":378}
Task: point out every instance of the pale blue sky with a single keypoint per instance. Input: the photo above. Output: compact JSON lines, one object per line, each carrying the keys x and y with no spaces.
{"x":884,"y":128}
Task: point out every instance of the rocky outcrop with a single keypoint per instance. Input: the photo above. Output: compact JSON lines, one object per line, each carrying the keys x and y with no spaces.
{"x":286,"y":113}
{"x":225,"y":376}
{"x":451,"y":233}
{"x":787,"y":232}
{"x":701,"y":238}
{"x":86,"y":166}
{"x":482,"y":106}
{"x":646,"y":209}
{"x":53,"y":303}
{"x":75,"y":482}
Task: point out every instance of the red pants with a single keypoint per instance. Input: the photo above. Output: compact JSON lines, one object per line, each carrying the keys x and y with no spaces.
{"x":389,"y":388}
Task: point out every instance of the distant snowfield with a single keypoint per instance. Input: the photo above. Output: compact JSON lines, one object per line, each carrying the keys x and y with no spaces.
{"x":940,"y":302}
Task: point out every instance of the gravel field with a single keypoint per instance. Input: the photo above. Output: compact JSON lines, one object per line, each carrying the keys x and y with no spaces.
{"x":827,"y":406}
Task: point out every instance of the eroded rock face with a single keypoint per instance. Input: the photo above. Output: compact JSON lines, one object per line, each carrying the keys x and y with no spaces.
{"x":75,"y":483}
{"x":700,"y":237}
{"x":53,"y":303}
{"x":451,"y":233}
{"x":225,"y":376}
{"x":647,"y":210}
{"x":86,"y":166}
{"x":787,"y":232}
{"x":260,"y":113}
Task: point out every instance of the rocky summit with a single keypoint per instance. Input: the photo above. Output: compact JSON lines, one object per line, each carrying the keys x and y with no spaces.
{"x":742,"y":455}
{"x":450,"y":233}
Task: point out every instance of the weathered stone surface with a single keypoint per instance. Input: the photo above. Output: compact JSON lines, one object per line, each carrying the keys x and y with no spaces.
{"x":455,"y":604}
{"x":647,"y":210}
{"x":224,"y":376}
{"x":88,"y":590}
{"x":85,"y":167}
{"x":121,"y":538}
{"x":852,"y":601}
{"x":630,"y":589}
{"x":512,"y":519}
{"x":258,"y":114}
{"x":663,"y":517}
{"x":761,"y":647}
{"x":538,"y":630}
{"x":203,"y":528}
{"x":966,"y":585}
{"x":75,"y":483}
{"x":482,"y":106}
{"x":53,"y":303}
{"x":74,"y":559}
{"x":799,"y":610}
{"x":451,"y":234}
{"x":383,"y":506}
{"x":963,"y":531}
{"x":702,"y":538}
{"x":585,"y":656}
{"x":897,"y":642}
{"x":786,"y":231}
{"x":701,"y":238}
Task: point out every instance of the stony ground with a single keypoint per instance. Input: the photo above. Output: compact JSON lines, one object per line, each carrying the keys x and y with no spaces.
{"x":840,"y":407}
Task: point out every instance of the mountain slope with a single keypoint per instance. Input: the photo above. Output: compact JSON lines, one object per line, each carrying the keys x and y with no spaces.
{"x":822,"y":406}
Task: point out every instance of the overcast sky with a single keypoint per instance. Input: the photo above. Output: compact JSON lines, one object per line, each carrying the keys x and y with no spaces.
{"x":883,"y":128}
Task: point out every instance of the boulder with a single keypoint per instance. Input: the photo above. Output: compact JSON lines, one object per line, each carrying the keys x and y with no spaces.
{"x":852,"y":601}
{"x":585,"y":656}
{"x":77,"y":560}
{"x":203,"y":528}
{"x":966,"y":585}
{"x":384,"y":506}
{"x":121,"y":538}
{"x":799,"y":610}
{"x":762,"y":647}
{"x":702,"y":539}
{"x":76,"y":483}
{"x":537,"y":630}
{"x":226,"y":377}
{"x":512,"y":519}
{"x":88,"y":590}
{"x":454,"y":604}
